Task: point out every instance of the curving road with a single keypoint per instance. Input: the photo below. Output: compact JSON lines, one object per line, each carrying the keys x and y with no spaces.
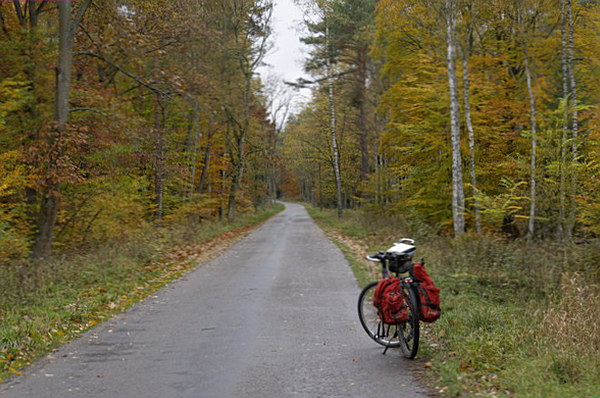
{"x":274,"y":316}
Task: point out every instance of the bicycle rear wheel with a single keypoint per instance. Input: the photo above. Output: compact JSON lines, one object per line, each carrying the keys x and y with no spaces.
{"x":409,"y":330}
{"x":386,"y":335}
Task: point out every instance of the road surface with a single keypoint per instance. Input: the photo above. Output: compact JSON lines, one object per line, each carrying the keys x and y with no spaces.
{"x":274,"y":316}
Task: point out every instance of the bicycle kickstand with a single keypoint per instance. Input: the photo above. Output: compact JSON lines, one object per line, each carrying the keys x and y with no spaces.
{"x":389,"y":344}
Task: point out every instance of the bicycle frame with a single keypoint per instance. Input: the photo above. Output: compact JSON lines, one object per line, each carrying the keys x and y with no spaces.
{"x":397,"y":260}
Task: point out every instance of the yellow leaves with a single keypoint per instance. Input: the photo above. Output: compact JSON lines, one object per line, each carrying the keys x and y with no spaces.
{"x":8,"y":358}
{"x":14,"y":175}
{"x":14,"y":229}
{"x":12,"y":360}
{"x":13,"y":96}
{"x":200,"y":207}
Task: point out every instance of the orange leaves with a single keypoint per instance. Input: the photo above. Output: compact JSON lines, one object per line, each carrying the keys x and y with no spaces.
{"x":54,"y":155}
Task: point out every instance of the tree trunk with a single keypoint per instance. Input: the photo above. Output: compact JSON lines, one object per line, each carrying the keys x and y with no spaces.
{"x":362,"y":113}
{"x":49,"y":205}
{"x":159,"y":154}
{"x":65,"y":62}
{"x":32,"y":8}
{"x":531,"y":224}
{"x":573,"y":85}
{"x":256,"y":22}
{"x":239,"y":158}
{"x":563,"y":229}
{"x":458,"y":196}
{"x":471,"y":134}
{"x":233,"y":189}
{"x":571,"y":217}
{"x":192,"y":143}
{"x":205,"y":164}
{"x":236,"y":180}
{"x":46,"y":222}
{"x":332,"y":128}
{"x":221,"y":201}
{"x":272,"y":174}
{"x":320,"y":188}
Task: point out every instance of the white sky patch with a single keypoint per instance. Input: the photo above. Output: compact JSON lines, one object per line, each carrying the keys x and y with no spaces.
{"x":285,"y":59}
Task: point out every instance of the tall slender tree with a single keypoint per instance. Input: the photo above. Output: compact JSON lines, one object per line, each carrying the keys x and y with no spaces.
{"x":324,"y":58}
{"x":332,"y":122}
{"x":250,"y":25}
{"x":352,"y":23}
{"x":49,"y":204}
{"x":571,"y":72}
{"x":563,"y":229}
{"x":533,"y":158}
{"x":458,"y":196}
{"x":466,"y":50}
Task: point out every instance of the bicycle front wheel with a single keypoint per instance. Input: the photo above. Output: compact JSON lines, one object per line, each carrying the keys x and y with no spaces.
{"x":386,"y":335}
{"x":409,"y":330}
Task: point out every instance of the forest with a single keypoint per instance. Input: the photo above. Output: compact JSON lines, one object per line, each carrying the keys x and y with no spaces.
{"x":472,"y":117}
{"x":113,"y":116}
{"x":452,"y":118}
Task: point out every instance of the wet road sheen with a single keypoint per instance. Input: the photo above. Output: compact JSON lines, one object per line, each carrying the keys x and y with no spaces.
{"x":274,"y":316}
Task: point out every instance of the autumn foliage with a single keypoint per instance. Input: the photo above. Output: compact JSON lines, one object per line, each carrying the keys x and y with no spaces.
{"x":521,"y":175}
{"x":157,"y":94}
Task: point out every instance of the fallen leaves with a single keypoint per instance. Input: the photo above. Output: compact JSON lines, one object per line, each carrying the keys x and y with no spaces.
{"x":30,"y":332}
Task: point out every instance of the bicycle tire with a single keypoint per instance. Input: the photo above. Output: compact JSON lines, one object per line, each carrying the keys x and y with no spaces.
{"x":386,"y":335}
{"x":409,"y":330}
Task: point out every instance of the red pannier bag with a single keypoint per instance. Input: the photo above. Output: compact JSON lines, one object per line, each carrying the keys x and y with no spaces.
{"x":390,"y":301}
{"x":429,"y":295}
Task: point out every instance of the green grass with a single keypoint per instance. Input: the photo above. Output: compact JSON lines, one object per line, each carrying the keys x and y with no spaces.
{"x":45,"y":304}
{"x":519,"y":319}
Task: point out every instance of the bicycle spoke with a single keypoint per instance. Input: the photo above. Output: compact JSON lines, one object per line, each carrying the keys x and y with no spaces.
{"x":370,"y":321}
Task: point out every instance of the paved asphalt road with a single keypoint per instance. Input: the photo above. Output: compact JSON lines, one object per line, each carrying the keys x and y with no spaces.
{"x":274,"y":316}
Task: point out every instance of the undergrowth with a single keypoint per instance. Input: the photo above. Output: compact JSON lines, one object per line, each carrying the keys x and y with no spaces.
{"x":50,"y":302}
{"x":519,"y":319}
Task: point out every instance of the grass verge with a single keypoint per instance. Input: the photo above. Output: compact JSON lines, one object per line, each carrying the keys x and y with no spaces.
{"x":519,"y":319}
{"x":46,"y":304}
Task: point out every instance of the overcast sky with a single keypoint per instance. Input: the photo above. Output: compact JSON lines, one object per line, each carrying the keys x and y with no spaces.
{"x":285,"y":58}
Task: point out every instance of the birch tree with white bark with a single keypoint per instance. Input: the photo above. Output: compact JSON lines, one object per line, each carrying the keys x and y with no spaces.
{"x":458,"y":195}
{"x":332,"y":123}
{"x":465,"y":50}
{"x":323,"y":63}
{"x":525,"y":26}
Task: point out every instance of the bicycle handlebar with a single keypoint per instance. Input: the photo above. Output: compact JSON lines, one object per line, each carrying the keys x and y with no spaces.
{"x":397,"y":263}
{"x":377,"y":257}
{"x":381,"y":256}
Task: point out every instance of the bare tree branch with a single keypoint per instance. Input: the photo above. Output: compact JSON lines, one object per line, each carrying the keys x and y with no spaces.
{"x":123,"y":71}
{"x":20,"y":13}
{"x":82,"y":9}
{"x":3,"y":22}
